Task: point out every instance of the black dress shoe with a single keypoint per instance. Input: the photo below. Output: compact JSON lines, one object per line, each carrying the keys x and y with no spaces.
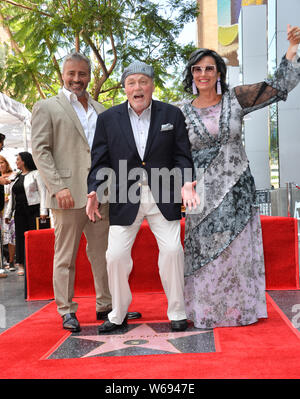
{"x":108,"y":326}
{"x":70,"y":322}
{"x":179,"y":325}
{"x":102,"y":315}
{"x":134,"y":315}
{"x":130,"y":315}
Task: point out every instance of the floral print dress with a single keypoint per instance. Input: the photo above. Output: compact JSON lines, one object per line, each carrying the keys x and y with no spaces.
{"x":224,"y":261}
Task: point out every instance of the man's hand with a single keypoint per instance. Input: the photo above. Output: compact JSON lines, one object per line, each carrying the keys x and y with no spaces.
{"x":92,"y":206}
{"x":4,"y":180}
{"x":189,"y":196}
{"x":64,"y":199}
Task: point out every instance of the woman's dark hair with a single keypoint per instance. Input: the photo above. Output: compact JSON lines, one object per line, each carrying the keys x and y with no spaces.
{"x":28,"y":160}
{"x":195,"y":57}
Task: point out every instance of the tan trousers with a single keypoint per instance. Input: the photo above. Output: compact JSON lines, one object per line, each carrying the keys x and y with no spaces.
{"x":170,"y":261}
{"x":68,"y":227}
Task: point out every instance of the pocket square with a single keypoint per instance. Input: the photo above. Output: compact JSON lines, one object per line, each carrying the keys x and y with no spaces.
{"x":167,"y":126}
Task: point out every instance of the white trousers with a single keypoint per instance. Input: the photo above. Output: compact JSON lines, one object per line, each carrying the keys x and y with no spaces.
{"x":170,"y":260}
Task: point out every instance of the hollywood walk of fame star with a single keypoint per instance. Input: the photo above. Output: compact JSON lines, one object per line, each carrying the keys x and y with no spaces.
{"x":142,"y":336}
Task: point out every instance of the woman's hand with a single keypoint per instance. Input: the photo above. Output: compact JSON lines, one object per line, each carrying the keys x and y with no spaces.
{"x":43,"y":217}
{"x":189,"y":196}
{"x":293,"y":36}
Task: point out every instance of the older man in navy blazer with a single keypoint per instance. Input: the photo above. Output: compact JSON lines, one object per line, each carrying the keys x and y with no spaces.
{"x":141,"y":143}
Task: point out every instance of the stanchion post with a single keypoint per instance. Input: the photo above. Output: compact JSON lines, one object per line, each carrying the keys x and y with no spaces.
{"x":289,"y":198}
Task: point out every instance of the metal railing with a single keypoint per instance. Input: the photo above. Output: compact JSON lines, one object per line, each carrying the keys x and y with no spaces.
{"x":263,"y":200}
{"x":278,"y":202}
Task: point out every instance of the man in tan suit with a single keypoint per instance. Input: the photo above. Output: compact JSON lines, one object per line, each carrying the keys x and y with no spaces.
{"x":62,"y":134}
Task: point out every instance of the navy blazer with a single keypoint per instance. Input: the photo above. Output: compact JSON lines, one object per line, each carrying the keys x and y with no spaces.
{"x":167,"y":148}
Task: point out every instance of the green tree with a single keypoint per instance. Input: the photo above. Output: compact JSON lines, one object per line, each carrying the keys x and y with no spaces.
{"x":113,"y":33}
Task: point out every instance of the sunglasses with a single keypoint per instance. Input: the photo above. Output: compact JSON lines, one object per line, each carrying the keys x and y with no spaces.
{"x":210,"y":69}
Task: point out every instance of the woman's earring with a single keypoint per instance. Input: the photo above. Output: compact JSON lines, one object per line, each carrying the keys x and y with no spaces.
{"x":219,"y":88}
{"x":195,"y":91}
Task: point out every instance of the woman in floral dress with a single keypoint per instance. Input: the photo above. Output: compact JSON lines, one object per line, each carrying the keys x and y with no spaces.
{"x":224,"y":262}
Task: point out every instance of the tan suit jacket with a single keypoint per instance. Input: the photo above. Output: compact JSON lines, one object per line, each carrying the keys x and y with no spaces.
{"x":60,"y":148}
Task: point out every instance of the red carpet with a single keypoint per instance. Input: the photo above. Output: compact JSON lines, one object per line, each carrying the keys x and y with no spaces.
{"x":280,"y":240}
{"x":267,"y":349}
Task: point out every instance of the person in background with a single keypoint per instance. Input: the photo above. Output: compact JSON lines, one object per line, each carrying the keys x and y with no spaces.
{"x":224,"y":260}
{"x":3,"y":181}
{"x":8,"y":230}
{"x":26,"y":203}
